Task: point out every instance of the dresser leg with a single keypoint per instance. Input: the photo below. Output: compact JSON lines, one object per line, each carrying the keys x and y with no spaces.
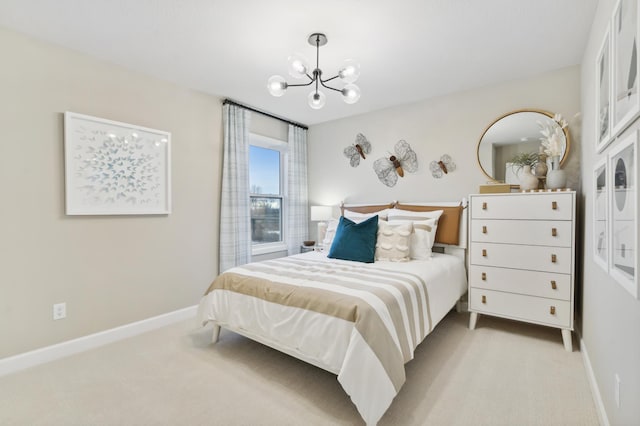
{"x":473,"y":319}
{"x":566,"y":339}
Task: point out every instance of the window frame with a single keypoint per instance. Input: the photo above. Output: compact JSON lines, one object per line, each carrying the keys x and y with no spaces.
{"x":283,"y":148}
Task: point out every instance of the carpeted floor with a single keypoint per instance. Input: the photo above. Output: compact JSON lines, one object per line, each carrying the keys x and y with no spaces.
{"x":502,"y":373}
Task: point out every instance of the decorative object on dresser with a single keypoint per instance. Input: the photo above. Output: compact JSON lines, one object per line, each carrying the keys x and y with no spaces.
{"x":522,"y":258}
{"x":514,"y":132}
{"x":321,"y":214}
{"x":522,"y":165}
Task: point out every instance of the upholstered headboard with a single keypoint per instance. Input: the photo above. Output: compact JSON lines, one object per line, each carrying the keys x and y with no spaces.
{"x":451,"y":236}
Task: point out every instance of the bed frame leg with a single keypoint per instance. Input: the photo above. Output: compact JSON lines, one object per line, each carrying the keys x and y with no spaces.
{"x":459,"y":306}
{"x":215,"y":334}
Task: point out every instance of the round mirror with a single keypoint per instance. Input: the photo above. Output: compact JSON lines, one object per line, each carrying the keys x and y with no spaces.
{"x":511,"y":134}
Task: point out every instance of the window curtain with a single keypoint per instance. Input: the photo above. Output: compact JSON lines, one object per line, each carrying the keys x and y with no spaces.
{"x":297,"y":197}
{"x":235,"y":209}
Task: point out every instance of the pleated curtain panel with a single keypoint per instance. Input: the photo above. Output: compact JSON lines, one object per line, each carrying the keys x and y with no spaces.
{"x":235,"y":203}
{"x":297,"y":196}
{"x":235,"y":209}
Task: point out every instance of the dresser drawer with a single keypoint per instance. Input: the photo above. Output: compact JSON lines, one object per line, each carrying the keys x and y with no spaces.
{"x":541,"y":284}
{"x":537,"y":232}
{"x":540,"y":206}
{"x":534,"y":258}
{"x":551,"y":312}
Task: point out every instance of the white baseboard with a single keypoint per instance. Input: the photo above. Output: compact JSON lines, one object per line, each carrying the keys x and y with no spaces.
{"x":595,"y":390}
{"x":60,"y":350}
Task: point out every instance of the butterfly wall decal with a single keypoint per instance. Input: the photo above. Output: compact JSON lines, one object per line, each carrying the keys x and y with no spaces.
{"x":389,"y":168}
{"x":442,"y":167}
{"x":360,"y":149}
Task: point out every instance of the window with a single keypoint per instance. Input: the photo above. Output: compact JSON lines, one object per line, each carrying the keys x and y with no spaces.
{"x":266,"y":180}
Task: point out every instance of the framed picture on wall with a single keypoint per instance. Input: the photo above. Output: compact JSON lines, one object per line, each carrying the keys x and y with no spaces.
{"x":600,"y":215}
{"x":603,"y":94}
{"x":623,"y":212}
{"x":624,"y":39}
{"x":114,"y":168}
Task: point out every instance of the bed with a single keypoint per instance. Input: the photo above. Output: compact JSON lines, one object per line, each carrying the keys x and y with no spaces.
{"x":361,"y":321}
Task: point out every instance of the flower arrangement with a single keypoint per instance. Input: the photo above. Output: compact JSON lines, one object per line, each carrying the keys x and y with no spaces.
{"x":524,"y":159}
{"x":553,"y":136}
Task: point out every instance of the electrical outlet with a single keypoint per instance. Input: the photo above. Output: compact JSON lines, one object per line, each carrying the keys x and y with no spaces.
{"x":617,"y":390}
{"x":59,"y":311}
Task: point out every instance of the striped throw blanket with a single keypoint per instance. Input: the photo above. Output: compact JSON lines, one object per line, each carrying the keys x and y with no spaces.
{"x":389,"y":311}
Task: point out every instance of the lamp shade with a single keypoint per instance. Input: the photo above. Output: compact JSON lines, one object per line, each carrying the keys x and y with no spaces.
{"x":319,"y":213}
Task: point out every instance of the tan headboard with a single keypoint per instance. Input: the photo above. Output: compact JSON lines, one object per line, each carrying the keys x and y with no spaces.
{"x":448,"y":225}
{"x":365,"y":208}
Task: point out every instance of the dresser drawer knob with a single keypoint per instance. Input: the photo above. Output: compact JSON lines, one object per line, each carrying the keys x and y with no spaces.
{"x":484,"y":229}
{"x":554,"y":205}
{"x":484,"y":276}
{"x":554,"y":259}
{"x":484,"y":206}
{"x":552,"y":310}
{"x":484,"y":252}
{"x":554,"y":232}
{"x":484,"y":299}
{"x":553,"y":284}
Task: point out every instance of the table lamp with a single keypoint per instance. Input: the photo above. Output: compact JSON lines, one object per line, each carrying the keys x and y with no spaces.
{"x":321,"y":214}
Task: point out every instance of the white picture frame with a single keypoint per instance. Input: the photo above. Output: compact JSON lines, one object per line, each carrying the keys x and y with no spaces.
{"x":603,"y":93}
{"x":623,"y":212}
{"x":115,"y":168}
{"x":625,"y":101}
{"x":601,"y":214}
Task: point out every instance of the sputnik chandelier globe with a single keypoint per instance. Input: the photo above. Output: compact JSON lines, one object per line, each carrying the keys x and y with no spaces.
{"x":299,"y":68}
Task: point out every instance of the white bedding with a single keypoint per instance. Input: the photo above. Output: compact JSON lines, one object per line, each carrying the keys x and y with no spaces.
{"x":330,"y":342}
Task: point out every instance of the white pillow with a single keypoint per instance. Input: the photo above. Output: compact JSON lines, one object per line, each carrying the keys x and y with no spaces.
{"x":425,"y":225}
{"x":360,"y":217}
{"x":399,"y":214}
{"x":332,"y":225}
{"x":393,"y":241}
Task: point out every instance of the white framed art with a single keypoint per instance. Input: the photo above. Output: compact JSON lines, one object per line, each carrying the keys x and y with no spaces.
{"x":624,"y":38}
{"x":603,"y":94}
{"x":623,"y":212}
{"x":600,"y":214}
{"x":114,"y":168}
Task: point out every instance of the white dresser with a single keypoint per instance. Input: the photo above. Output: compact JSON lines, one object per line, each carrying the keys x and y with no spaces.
{"x":522,"y":258}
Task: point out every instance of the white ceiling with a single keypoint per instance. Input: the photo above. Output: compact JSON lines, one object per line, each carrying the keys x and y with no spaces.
{"x":409,"y":50}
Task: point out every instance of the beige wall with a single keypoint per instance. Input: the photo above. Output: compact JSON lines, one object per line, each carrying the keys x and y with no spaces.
{"x":611,"y":316}
{"x":447,"y":125}
{"x":109,"y":270}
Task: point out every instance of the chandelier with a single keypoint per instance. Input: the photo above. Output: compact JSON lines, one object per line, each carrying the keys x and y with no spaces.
{"x":299,"y":68}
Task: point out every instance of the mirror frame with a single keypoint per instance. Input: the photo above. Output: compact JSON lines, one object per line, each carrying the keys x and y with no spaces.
{"x":541,"y":111}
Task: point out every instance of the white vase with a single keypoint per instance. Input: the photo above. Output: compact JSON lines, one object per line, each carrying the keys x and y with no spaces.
{"x":527,"y":180}
{"x":556,"y":177}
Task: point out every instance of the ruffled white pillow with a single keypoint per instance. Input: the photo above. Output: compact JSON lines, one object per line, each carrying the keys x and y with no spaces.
{"x":425,"y":225}
{"x":393,"y":241}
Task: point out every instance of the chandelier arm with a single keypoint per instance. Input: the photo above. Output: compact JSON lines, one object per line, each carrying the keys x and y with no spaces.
{"x":301,"y":84}
{"x":332,"y":78}
{"x":329,"y":87}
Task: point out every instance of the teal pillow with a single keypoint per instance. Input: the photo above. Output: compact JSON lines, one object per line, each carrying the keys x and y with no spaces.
{"x":355,"y":241}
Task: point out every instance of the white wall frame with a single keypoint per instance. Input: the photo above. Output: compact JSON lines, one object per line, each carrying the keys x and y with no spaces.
{"x":623,"y":212}
{"x":601,"y":185}
{"x":626,"y":63}
{"x":114,"y":168}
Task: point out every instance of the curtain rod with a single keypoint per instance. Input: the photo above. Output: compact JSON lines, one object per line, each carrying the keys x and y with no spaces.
{"x":229,"y":101}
